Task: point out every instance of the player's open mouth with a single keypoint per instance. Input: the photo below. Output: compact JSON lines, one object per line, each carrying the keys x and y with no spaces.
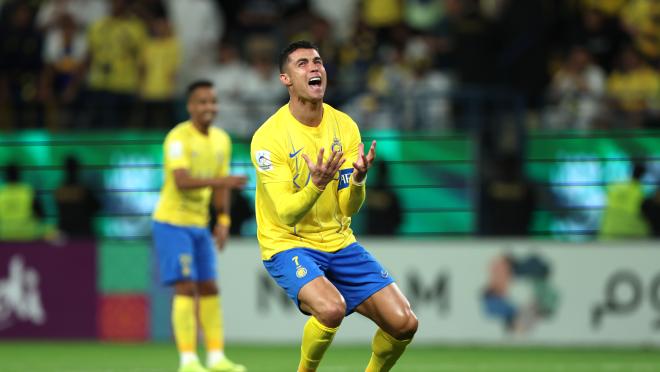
{"x":315,"y":81}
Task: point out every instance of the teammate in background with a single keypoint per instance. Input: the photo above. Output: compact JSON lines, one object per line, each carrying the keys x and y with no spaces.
{"x":306,"y":195}
{"x":196,"y":167}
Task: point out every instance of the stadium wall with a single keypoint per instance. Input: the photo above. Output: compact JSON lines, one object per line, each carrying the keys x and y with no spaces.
{"x":555,"y":293}
{"x":464,"y":292}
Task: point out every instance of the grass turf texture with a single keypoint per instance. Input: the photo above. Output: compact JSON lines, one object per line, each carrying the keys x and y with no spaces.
{"x":152,"y":357}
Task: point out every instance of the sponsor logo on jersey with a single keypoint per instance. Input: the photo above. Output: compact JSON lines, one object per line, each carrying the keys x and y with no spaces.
{"x":294,"y":153}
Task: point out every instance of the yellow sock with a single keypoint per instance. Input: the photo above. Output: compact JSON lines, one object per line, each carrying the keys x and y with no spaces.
{"x":316,"y":340}
{"x":210,"y":316}
{"x":183,"y":323}
{"x":386,"y":350}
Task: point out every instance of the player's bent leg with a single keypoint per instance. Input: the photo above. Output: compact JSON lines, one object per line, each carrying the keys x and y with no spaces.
{"x":321,"y":299}
{"x":328,"y":308}
{"x":397,"y":323}
{"x":211,"y":319}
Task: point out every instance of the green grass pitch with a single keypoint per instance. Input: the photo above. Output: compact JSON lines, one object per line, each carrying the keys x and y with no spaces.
{"x":153,"y":357}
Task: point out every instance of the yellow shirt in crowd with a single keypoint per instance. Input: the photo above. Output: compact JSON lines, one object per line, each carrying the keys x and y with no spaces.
{"x":635,"y":90}
{"x":160,"y":59}
{"x":115,"y":45}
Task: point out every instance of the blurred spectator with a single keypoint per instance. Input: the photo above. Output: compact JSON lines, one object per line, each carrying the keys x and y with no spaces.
{"x":404,"y":92}
{"x":384,"y":212}
{"x":20,"y":66}
{"x":610,"y":8}
{"x":20,"y":210}
{"x":241,"y":211}
{"x":262,"y":88}
{"x":423,"y":15}
{"x":473,"y":52}
{"x":149,"y":10}
{"x":306,"y":24}
{"x":354,"y":60}
{"x":622,"y":215}
{"x":380,"y":106}
{"x":641,"y":18}
{"x":115,"y":43}
{"x":159,"y":65}
{"x":651,"y":212}
{"x":633,"y":90}
{"x":64,"y":54}
{"x":383,"y":16}
{"x":76,"y":203}
{"x":199,"y":26}
{"x":575,"y":93}
{"x":428,"y":91}
{"x":524,"y":30}
{"x":507,"y":199}
{"x":341,"y":14}
{"x":260,"y":17}
{"x":228,"y":75}
{"x":83,"y":12}
{"x":498,"y":54}
{"x":601,"y":35}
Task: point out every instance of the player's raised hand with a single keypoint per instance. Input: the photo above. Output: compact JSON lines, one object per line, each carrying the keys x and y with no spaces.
{"x":363,"y":163}
{"x":322,"y":173}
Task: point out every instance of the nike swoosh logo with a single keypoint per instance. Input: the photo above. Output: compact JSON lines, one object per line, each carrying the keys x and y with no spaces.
{"x":293,"y":154}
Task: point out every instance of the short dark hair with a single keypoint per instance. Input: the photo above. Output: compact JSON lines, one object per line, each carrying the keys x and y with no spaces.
{"x":300,"y":44}
{"x":192,"y":87}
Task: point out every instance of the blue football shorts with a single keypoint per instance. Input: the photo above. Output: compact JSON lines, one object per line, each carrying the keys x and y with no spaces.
{"x":184,"y":253}
{"x":352,"y":270}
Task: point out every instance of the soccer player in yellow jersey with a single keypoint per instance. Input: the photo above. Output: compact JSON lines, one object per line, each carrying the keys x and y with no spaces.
{"x":311,"y":173}
{"x":196,"y":157}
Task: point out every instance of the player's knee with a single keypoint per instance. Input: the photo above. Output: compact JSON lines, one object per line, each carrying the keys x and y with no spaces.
{"x":332,"y":313}
{"x":406,"y":326}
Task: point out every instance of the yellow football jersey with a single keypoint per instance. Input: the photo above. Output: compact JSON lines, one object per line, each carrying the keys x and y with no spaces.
{"x":204,"y":156}
{"x":284,"y":186}
{"x":115,"y":44}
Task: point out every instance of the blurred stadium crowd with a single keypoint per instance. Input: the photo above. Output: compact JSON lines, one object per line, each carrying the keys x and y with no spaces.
{"x":433,"y":65}
{"x":490,"y":71}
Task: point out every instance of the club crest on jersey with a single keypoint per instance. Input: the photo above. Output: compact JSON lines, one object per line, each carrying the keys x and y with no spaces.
{"x":262,"y":158}
{"x":336,"y":145}
{"x":344,"y":178}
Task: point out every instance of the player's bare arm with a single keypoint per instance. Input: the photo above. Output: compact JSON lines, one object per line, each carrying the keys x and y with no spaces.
{"x":363,"y":163}
{"x":221,"y":201}
{"x":322,"y":173}
{"x":185,"y":181}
